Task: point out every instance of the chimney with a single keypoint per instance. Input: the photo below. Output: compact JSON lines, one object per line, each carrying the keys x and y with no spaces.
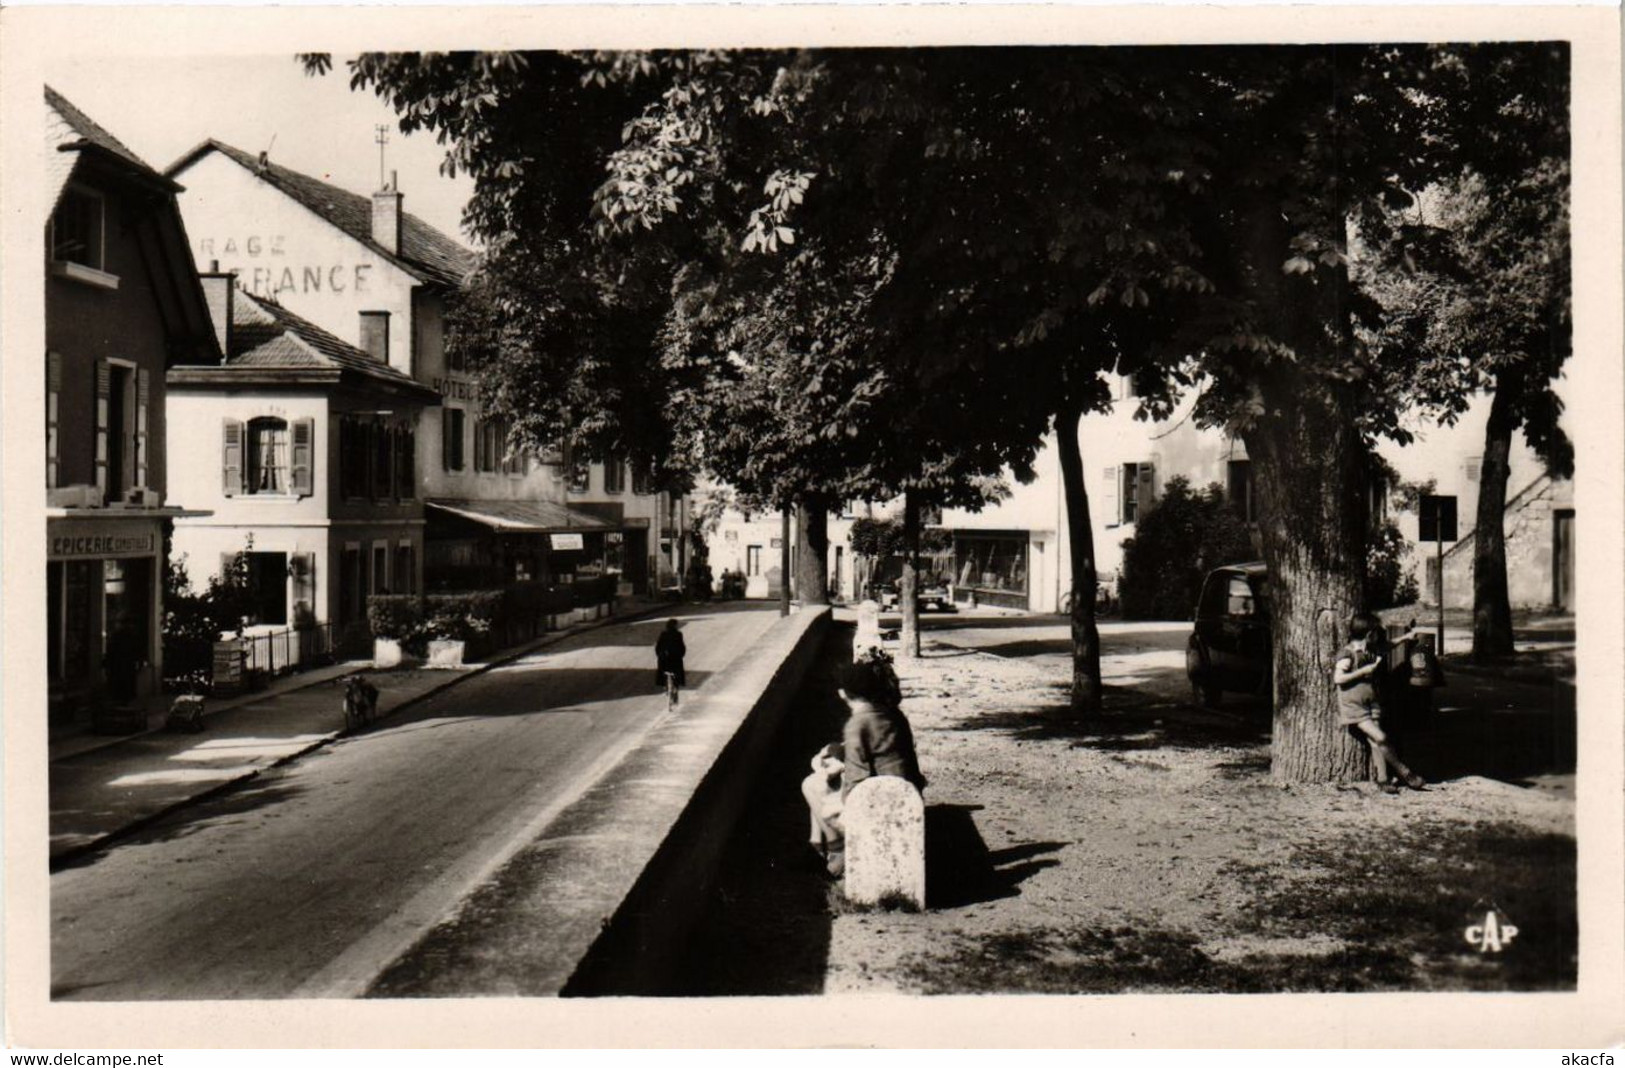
{"x":375,"y":335}
{"x":386,"y":217}
{"x":219,"y":290}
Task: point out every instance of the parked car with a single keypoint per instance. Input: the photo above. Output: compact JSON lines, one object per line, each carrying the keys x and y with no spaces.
{"x":930,"y":596}
{"x":1229,"y":649}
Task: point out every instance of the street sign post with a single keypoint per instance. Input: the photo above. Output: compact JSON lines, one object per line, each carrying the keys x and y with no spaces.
{"x":1436,"y":522}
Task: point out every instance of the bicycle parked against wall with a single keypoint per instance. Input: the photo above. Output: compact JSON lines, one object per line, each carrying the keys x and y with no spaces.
{"x":360,"y":702}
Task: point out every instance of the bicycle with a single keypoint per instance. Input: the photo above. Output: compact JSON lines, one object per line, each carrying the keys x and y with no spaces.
{"x":671,"y":690}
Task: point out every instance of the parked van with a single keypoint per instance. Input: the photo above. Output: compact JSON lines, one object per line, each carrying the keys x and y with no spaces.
{"x":1230,"y":646}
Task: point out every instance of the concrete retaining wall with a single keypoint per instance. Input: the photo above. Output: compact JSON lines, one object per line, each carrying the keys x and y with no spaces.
{"x":641,"y":947}
{"x":604,"y":899}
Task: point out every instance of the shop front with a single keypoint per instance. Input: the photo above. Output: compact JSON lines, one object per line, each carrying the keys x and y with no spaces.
{"x":104,"y":613}
{"x":990,"y":567}
{"x":473,"y":545}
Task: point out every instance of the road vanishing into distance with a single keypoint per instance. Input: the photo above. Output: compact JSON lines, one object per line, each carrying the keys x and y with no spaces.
{"x":307,"y":880}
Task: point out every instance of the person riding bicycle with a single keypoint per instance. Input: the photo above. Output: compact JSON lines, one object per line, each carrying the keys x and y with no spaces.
{"x":669,"y":653}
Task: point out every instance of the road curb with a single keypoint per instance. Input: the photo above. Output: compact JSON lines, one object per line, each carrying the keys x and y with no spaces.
{"x":77,"y":852}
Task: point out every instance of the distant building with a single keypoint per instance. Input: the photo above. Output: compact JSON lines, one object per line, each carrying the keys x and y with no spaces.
{"x":1016,"y":554}
{"x":305,"y":449}
{"x":122,"y":304}
{"x":380,"y":279}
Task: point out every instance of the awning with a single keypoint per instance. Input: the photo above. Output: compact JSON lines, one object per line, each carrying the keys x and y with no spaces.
{"x":531,"y":517}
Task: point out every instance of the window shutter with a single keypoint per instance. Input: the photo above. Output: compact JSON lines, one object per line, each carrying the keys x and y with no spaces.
{"x":1108,"y":499}
{"x":409,"y":462}
{"x":53,"y":403}
{"x":231,"y":457}
{"x":304,"y":447}
{"x":445,"y":439}
{"x":143,"y":387}
{"x":1145,"y":493}
{"x":304,"y":582}
{"x":104,"y":387}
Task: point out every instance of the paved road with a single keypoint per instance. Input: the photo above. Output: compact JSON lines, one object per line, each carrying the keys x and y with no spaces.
{"x":308,"y":880}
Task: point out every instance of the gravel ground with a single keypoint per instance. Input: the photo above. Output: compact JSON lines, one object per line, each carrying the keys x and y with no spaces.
{"x":1145,"y":851}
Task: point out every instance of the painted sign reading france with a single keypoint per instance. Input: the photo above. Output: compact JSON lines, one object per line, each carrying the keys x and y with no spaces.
{"x":276,"y":277}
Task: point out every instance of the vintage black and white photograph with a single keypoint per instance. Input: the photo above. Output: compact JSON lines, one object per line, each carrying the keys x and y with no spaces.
{"x":804,"y":520}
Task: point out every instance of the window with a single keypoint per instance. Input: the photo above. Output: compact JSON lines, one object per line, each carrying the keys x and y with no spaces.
{"x":375,"y":335}
{"x":1134,"y":490}
{"x":268,"y":588}
{"x":491,"y":448}
{"x":267,"y":456}
{"x":643,"y":484}
{"x":1239,"y":598}
{"x":403,"y":567}
{"x":383,"y":459}
{"x":753,"y":559}
{"x":53,"y":404}
{"x":405,"y":462}
{"x":78,"y":227}
{"x":116,"y":424}
{"x":380,"y":567}
{"x":1472,"y":467}
{"x":614,"y":474}
{"x":1240,"y":490}
{"x":451,"y":439}
{"x":578,"y":473}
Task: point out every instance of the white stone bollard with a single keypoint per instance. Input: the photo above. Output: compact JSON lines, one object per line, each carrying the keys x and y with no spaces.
{"x":386,"y":653}
{"x":884,"y":821}
{"x":868,"y":635}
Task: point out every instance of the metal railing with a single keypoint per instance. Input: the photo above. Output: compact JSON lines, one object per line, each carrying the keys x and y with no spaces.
{"x":290,"y":649}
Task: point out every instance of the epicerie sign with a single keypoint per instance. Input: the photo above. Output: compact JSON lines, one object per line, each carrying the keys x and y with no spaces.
{"x":75,"y":545}
{"x":274,"y":279}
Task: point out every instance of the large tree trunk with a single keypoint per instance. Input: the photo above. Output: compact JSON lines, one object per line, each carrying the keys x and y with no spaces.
{"x":908,"y":645}
{"x":1312,"y":480}
{"x":1492,"y":607}
{"x":1086,"y":685}
{"x":812,"y":550}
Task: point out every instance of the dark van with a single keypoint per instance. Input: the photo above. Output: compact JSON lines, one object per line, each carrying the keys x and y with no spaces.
{"x":1230,"y":646}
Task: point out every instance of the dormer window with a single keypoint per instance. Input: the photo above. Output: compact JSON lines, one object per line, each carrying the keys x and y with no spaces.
{"x":78,"y":237}
{"x":77,"y":228}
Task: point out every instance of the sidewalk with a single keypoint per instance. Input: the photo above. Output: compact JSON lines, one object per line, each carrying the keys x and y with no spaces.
{"x":104,"y":787}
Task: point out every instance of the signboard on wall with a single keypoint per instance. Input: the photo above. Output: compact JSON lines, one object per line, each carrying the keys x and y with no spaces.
{"x":567,"y":542}
{"x":93,"y":539}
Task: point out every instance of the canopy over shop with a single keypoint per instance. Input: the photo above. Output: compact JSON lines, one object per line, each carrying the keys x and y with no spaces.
{"x":472,"y":545}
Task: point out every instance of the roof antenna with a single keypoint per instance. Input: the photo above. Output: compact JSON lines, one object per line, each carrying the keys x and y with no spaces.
{"x":382,"y":137}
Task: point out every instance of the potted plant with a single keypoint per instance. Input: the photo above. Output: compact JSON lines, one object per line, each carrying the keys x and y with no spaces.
{"x":395,"y":620}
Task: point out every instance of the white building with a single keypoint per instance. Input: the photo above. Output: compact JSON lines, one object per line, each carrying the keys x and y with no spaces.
{"x":304,"y":446}
{"x":1015,"y":554}
{"x":379,"y":278}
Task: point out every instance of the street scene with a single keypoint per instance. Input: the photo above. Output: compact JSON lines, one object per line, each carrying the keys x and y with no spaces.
{"x":812,"y":521}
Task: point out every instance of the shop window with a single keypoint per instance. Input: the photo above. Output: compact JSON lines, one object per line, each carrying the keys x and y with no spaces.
{"x":451,"y":438}
{"x":78,"y":229}
{"x":267,"y":588}
{"x":1240,"y":490}
{"x":993,"y":563}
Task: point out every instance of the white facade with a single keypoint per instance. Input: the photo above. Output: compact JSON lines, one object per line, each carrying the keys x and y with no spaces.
{"x":1127,"y":464}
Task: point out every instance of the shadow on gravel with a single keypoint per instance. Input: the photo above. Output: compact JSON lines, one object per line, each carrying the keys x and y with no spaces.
{"x":959,"y":868}
{"x":767,"y":929}
{"x":1129,"y":723}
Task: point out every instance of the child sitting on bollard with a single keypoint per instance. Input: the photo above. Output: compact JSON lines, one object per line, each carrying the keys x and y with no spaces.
{"x":877,"y":740}
{"x":1358,"y":707}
